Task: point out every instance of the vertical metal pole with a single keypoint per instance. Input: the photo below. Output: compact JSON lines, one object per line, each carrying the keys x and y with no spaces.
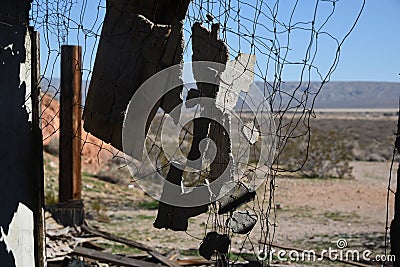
{"x":70,"y":123}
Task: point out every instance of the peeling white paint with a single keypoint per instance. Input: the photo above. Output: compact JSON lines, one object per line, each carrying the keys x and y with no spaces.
{"x":20,"y":239}
{"x":237,"y":77}
{"x":250,"y":132}
{"x":25,"y":75}
{"x":10,"y":46}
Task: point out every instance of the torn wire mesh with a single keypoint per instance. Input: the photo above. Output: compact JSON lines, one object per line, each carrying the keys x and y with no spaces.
{"x":283,"y":40}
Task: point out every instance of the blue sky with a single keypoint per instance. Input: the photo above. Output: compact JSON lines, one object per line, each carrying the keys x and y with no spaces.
{"x":370,"y":53}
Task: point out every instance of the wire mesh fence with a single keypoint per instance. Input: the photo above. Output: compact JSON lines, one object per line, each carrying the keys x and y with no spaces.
{"x":290,"y":40}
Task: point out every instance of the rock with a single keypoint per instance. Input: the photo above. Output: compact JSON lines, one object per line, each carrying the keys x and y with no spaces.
{"x":242,"y":222}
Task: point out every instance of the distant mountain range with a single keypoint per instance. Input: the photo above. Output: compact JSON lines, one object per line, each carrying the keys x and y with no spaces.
{"x":352,"y":94}
{"x":367,"y":95}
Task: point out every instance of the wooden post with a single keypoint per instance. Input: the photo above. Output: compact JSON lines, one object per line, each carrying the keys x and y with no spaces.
{"x":395,"y":225}
{"x":70,"y":123}
{"x":39,"y":230}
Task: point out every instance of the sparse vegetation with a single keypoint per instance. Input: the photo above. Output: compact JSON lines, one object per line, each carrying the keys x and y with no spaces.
{"x":326,"y":154}
{"x":342,"y":216}
{"x":50,"y":197}
{"x":148,"y":205}
{"x":145,"y":217}
{"x":121,"y":248}
{"x":128,"y":212}
{"x":100,"y":210}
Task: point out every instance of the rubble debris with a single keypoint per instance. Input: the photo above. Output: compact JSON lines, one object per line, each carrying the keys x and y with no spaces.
{"x":131,"y":243}
{"x":236,"y":196}
{"x":138,"y":39}
{"x":61,"y":240}
{"x":111,"y":258}
{"x":214,"y":242}
{"x":242,"y":222}
{"x":111,"y":237}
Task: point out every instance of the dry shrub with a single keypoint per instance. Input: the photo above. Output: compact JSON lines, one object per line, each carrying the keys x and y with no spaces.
{"x":325,"y":155}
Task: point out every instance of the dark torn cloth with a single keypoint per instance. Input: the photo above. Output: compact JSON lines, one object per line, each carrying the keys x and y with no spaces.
{"x":214,"y":242}
{"x":138,"y":39}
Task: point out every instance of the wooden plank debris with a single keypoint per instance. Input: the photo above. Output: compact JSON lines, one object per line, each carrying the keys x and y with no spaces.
{"x":131,"y":243}
{"x":194,"y":262}
{"x":163,"y":259}
{"x":111,"y":258}
{"x":115,"y":238}
{"x":60,"y":240}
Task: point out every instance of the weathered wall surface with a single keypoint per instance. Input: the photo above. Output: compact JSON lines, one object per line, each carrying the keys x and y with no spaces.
{"x":17,"y":188}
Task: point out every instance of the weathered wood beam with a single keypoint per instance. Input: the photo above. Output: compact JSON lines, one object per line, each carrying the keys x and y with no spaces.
{"x":395,"y":225}
{"x":131,"y":243}
{"x":70,"y":123}
{"x":138,"y":39}
{"x":111,"y":258}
